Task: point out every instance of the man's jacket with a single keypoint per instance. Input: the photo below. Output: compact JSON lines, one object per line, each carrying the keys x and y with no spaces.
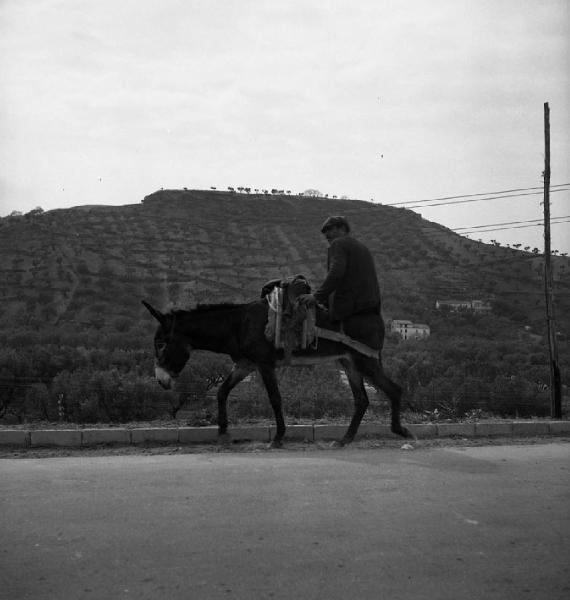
{"x":351,"y":286}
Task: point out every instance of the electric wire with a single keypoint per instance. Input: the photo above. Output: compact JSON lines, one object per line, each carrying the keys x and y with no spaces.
{"x":487,"y":228}
{"x":515,"y":227}
{"x":508,"y":223}
{"x":468,"y":200}
{"x":558,"y":185}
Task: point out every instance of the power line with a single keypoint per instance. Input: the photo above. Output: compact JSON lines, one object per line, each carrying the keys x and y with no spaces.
{"x":415,"y":205}
{"x":503,"y":225}
{"x":516,"y":227}
{"x":508,"y":223}
{"x":535,"y":223}
{"x":559,"y":185}
{"x":436,"y":234}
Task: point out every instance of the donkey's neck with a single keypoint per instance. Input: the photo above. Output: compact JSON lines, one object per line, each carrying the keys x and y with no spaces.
{"x":212,"y":329}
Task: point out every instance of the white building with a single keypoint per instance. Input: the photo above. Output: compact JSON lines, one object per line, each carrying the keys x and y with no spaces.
{"x":408,"y":330}
{"x":455,"y":305}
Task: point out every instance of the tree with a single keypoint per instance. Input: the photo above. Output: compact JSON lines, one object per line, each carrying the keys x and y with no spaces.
{"x":312,"y":193}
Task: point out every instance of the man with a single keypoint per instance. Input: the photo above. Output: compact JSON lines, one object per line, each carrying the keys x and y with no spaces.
{"x":350,"y":289}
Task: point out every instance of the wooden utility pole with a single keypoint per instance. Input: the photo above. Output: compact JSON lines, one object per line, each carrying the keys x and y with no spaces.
{"x":555,"y":380}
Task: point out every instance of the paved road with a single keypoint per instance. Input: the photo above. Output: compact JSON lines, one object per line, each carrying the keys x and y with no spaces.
{"x":488,"y":522}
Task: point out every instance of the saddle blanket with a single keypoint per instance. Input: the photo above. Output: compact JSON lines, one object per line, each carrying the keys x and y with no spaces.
{"x":291,"y":326}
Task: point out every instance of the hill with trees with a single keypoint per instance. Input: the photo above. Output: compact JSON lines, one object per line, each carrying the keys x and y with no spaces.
{"x":77,"y":343}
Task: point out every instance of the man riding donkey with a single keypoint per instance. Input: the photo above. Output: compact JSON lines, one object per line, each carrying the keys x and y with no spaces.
{"x":350,"y":290}
{"x":351,"y":332}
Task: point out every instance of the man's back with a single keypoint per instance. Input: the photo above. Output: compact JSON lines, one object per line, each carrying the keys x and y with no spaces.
{"x":351,"y":285}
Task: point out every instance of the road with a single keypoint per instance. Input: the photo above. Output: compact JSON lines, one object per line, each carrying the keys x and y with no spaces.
{"x":441,"y":523}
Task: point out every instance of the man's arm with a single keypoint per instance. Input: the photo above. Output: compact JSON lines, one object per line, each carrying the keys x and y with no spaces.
{"x":337,"y":269}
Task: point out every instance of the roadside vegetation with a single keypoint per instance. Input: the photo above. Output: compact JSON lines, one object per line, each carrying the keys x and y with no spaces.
{"x":48,"y":377}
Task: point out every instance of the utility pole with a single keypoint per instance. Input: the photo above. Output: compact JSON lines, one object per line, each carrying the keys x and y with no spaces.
{"x":555,"y":380}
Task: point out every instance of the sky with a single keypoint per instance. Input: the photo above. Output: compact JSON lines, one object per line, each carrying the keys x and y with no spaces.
{"x":396,"y":102}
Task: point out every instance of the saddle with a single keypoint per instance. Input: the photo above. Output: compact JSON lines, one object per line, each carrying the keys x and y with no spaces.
{"x":290,"y":326}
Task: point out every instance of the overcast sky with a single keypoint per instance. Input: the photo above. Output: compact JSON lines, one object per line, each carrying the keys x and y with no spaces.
{"x":104,"y":102}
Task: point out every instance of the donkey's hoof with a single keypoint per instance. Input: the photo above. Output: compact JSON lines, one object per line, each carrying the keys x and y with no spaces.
{"x":404,"y":432}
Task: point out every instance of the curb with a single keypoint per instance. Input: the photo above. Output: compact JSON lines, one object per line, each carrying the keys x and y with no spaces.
{"x":83,"y":438}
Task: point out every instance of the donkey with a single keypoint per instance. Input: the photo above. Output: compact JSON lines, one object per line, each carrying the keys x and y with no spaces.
{"x":238,"y":330}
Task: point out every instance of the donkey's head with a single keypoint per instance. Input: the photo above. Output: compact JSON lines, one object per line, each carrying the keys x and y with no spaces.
{"x":171,"y":348}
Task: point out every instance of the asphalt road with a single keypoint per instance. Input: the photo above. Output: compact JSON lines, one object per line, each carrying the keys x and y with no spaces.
{"x":490,"y":522}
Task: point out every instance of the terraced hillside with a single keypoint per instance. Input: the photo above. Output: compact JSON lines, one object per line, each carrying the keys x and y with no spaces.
{"x":177,"y":248}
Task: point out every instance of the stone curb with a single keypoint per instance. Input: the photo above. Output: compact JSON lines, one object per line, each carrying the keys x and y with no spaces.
{"x":309,"y":433}
{"x":154,"y":434}
{"x":455,"y":430}
{"x":249,"y":434}
{"x":299,"y":433}
{"x":14,"y":437}
{"x":94,"y":437}
{"x":192,"y":435}
{"x":56,"y":437}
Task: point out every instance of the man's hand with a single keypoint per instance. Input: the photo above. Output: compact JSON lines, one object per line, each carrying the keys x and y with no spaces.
{"x":306,"y":300}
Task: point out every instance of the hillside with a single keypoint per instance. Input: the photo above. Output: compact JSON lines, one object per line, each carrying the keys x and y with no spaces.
{"x":93,"y":264}
{"x":74,"y":331}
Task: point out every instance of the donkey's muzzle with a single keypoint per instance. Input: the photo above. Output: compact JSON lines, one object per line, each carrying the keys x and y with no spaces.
{"x":163,"y":377}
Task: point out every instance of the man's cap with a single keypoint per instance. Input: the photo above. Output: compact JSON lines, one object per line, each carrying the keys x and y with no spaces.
{"x":336,"y":221}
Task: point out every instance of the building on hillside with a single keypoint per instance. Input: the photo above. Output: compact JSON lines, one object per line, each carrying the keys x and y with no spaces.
{"x":479,"y":306}
{"x":408,"y":330}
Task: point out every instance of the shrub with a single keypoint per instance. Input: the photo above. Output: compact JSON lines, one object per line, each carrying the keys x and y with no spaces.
{"x":516,"y":397}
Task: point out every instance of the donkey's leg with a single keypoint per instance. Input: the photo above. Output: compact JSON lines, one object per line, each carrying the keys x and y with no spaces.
{"x":241,"y":370}
{"x":270,"y":381}
{"x":360,"y":399}
{"x":374,"y":373}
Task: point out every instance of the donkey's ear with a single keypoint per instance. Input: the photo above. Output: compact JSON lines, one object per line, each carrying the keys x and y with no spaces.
{"x":155,"y":313}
